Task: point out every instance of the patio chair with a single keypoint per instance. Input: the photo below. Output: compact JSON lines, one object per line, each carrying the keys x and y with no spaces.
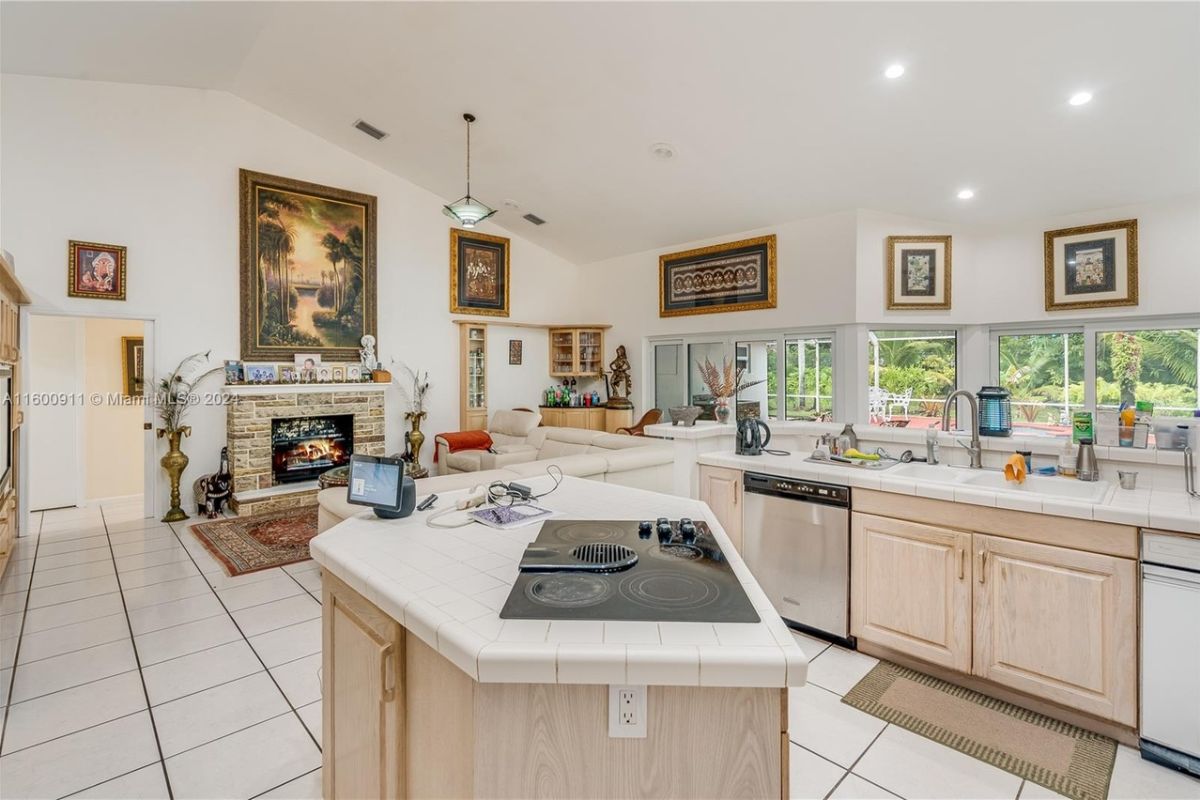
{"x":903,"y":400}
{"x":877,"y":404}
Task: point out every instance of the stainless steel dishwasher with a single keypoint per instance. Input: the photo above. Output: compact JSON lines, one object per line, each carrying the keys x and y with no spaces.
{"x":796,"y":541}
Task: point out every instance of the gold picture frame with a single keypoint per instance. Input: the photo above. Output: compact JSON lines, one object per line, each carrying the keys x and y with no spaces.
{"x":85,"y":259}
{"x":479,"y":273}
{"x":133,"y":366}
{"x":920,"y":277}
{"x":714,"y":279}
{"x":1091,"y":266}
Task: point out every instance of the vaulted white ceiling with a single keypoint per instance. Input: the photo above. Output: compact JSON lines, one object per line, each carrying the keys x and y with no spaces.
{"x":777,"y":110}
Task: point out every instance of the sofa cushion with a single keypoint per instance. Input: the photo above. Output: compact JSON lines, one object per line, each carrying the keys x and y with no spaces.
{"x":464,"y":461}
{"x":565,"y":442}
{"x":517,"y":424}
{"x":578,"y":466}
{"x":616,"y":441}
{"x":637,"y":458}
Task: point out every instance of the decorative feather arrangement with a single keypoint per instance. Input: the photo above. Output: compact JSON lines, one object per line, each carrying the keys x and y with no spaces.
{"x":725,"y":382}
{"x":412,"y":389}
{"x":174,"y":395}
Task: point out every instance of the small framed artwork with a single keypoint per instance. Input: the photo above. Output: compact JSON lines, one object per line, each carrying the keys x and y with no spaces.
{"x":918,"y":272}
{"x":354,"y":372}
{"x":234,"y":372}
{"x":339,"y":374}
{"x":133,"y":366}
{"x":308,"y":375}
{"x":478,"y":273}
{"x":95,"y":270}
{"x":288,"y":374}
{"x":260,"y":373}
{"x":1092,"y":266}
{"x":735,"y":276}
{"x":515,"y":348}
{"x":324,"y":374}
{"x":307,"y":360}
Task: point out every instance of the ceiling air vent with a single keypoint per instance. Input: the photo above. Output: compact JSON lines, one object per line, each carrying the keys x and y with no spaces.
{"x":370,"y":130}
{"x":534,"y":218}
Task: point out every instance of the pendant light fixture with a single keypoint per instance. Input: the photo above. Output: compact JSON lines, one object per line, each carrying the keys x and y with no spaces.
{"x":467,"y":210}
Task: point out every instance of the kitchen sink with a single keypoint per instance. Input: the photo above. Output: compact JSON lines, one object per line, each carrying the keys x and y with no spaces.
{"x":993,"y":480}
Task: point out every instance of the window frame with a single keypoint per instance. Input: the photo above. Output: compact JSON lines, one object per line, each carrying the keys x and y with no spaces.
{"x":960,"y":343}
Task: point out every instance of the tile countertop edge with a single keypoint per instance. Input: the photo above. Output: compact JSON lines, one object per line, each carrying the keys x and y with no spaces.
{"x":492,"y":660}
{"x":1176,"y":515}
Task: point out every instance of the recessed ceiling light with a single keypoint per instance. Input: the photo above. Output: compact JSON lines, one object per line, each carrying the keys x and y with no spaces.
{"x":894,"y":71}
{"x":1080,"y":98}
{"x":966,"y":194}
{"x":663,"y":150}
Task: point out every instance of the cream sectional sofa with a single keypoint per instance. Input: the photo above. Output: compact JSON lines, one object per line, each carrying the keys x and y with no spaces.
{"x":612,"y":458}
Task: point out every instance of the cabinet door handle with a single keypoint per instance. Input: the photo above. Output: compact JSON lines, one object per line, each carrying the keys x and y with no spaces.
{"x":983,"y":566}
{"x":386,"y":688}
{"x":962,"y":554}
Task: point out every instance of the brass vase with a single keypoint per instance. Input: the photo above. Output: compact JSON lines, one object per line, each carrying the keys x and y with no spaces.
{"x":416,"y":438}
{"x":174,"y":462}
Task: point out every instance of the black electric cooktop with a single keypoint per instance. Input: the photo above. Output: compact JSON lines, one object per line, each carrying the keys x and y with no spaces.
{"x":654,"y":570}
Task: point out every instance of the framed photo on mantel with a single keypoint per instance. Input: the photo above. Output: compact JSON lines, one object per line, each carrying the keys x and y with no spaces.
{"x":735,"y":276}
{"x":918,"y":273}
{"x":1092,"y":266}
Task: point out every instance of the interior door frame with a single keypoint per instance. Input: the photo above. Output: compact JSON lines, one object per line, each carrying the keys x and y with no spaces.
{"x":150,"y":332}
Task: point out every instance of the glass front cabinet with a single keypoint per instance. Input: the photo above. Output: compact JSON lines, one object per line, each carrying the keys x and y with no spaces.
{"x":576,"y":352}
{"x":473,"y":413}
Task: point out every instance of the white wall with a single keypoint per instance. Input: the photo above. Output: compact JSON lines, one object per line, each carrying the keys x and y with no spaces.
{"x":54,"y":359}
{"x":517,"y":386}
{"x":156,"y":169}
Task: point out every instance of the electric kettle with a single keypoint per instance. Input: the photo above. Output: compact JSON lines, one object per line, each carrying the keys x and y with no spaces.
{"x":752,"y":436}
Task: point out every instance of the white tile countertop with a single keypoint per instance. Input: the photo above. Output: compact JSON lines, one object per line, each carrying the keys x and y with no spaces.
{"x":1168,"y":509}
{"x":448,"y":586}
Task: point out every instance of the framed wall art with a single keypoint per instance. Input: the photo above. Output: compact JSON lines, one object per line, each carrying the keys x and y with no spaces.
{"x":735,"y":276}
{"x":479,"y":273}
{"x":133,"y":366}
{"x":918,"y":272}
{"x":95,"y":270}
{"x":1092,"y":266}
{"x":515,"y":351}
{"x":307,"y":268}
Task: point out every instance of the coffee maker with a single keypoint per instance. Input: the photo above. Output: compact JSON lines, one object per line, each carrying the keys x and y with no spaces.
{"x":752,"y":436}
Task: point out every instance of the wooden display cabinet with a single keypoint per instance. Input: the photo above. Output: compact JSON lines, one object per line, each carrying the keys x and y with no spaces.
{"x":12,"y":296}
{"x":473,"y":409}
{"x":576,"y":352}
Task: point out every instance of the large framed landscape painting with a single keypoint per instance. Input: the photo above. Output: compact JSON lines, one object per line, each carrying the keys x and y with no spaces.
{"x":918,"y":272}
{"x":735,"y":276}
{"x":307,"y":269}
{"x":1092,"y":266}
{"x":479,"y":273}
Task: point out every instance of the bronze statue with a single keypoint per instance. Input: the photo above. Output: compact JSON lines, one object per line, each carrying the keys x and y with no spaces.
{"x":620,"y":380}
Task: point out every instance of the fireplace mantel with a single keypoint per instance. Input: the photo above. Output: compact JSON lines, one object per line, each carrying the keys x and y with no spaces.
{"x":301,"y":388}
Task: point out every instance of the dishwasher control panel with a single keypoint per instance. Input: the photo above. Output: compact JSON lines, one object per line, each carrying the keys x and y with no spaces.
{"x":814,"y":491}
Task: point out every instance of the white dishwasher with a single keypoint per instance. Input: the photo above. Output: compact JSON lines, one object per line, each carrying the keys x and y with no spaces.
{"x":1171,"y":650}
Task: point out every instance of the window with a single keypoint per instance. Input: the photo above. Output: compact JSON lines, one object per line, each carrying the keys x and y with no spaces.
{"x":670,"y":376}
{"x":1044,"y":373}
{"x":910,"y":373}
{"x":1159,"y":366}
{"x":698,"y":393}
{"x":809,"y":378}
{"x":758,"y":366}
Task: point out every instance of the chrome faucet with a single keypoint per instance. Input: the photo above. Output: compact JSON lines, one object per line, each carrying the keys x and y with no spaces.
{"x":974,"y":448}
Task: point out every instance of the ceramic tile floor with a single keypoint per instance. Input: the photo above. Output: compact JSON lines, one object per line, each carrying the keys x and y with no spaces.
{"x":130,"y":663}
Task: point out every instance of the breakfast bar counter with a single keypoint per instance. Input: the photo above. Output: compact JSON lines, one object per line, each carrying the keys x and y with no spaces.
{"x":428,"y":692}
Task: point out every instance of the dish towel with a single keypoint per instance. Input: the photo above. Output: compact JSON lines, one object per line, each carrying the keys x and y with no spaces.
{"x":1014,"y":470}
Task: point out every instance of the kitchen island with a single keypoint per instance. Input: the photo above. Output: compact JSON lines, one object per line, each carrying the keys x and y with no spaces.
{"x":428,"y":692}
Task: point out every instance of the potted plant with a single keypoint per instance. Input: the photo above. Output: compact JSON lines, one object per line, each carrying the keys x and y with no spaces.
{"x":412,"y":387}
{"x":173,"y":397}
{"x":724,"y":384}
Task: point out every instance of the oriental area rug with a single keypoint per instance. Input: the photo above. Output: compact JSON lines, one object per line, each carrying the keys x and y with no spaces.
{"x":1067,"y":759}
{"x":250,"y":544}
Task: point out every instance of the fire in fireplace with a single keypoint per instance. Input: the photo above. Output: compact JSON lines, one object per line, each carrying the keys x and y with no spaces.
{"x":304,"y":447}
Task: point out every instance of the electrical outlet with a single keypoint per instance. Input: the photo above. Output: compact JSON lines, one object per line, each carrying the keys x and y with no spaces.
{"x":627,"y":712}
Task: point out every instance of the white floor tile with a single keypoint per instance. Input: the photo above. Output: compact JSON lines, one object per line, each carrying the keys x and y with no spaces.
{"x":287,"y":644}
{"x":310,"y":715}
{"x":52,"y":547}
{"x":53,"y":715}
{"x":147,"y":783}
{"x":208,"y":715}
{"x":165,"y":592}
{"x":191,"y":637}
{"x":148,"y":544}
{"x":1134,"y":777}
{"x":10,"y":624}
{"x":219,"y":580}
{"x":278,"y":614}
{"x":820,"y":721}
{"x":810,"y":775}
{"x":255,"y":594}
{"x":914,"y":766}
{"x":174,"y":612}
{"x":5,"y":685}
{"x":77,"y":590}
{"x":300,"y":679}
{"x":160,"y":574}
{"x":311,"y":581}
{"x":169,"y":680}
{"x":853,"y":787}
{"x":251,"y":761}
{"x":12,"y":603}
{"x":153,"y":558}
{"x":811,"y":646}
{"x":72,"y":669}
{"x":138,"y":524}
{"x":13,"y":583}
{"x":77,"y":636}
{"x":101,"y":553}
{"x":838,"y":669}
{"x":69,"y":574}
{"x":80,"y":760}
{"x":41,"y":619}
{"x":1032,"y":791}
{"x":306,"y":787}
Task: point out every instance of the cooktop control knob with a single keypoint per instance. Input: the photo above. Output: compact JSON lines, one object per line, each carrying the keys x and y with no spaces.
{"x":687,"y":530}
{"x":664,"y":532}
{"x":645,"y":528}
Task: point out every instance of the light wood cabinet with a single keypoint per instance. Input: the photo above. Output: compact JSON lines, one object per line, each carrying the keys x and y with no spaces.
{"x":12,"y":297}
{"x":589,"y":419}
{"x":911,"y":589}
{"x":1058,"y":624}
{"x":576,"y":352}
{"x":473,"y":408}
{"x":362,"y":714}
{"x":721,"y":489}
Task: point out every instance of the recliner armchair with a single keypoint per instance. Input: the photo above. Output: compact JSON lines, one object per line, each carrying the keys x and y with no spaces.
{"x":509,"y":430}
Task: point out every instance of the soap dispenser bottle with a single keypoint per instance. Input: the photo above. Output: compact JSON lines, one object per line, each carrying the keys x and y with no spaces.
{"x":849,"y":433}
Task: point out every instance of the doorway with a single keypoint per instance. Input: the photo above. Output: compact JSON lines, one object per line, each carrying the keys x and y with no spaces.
{"x":86,"y":435}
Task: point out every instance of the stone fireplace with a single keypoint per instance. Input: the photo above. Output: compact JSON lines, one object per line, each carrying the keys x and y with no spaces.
{"x":281,"y":437}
